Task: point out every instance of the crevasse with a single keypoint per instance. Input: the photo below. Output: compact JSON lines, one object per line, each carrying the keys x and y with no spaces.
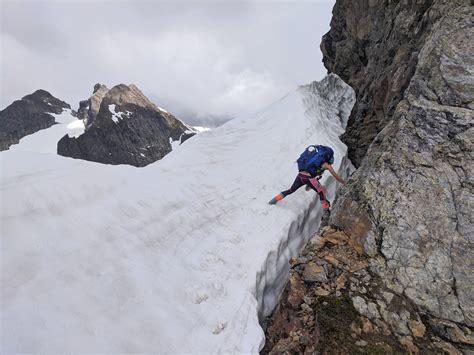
{"x":327,"y":104}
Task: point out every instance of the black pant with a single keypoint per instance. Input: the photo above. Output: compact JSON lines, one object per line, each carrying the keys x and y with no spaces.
{"x":312,"y":182}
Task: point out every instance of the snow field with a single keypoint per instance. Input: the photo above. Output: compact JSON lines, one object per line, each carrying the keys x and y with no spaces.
{"x":182,"y":256}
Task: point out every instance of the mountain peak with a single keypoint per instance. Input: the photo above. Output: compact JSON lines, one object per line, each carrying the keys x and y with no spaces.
{"x":28,"y":115}
{"x":99,"y":86}
{"x":128,"y":94}
{"x":123,"y":127}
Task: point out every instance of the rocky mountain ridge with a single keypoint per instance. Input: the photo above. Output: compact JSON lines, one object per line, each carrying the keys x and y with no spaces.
{"x":28,"y":115}
{"x":123,"y":127}
{"x":408,"y":207}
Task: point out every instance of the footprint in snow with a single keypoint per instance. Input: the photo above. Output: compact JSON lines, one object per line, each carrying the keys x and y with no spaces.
{"x":219,"y":328}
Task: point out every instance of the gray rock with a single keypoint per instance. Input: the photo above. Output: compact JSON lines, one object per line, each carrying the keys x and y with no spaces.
{"x":27,"y":116}
{"x":414,"y":188}
{"x":123,"y":127}
{"x":314,"y":273}
{"x":88,"y":109}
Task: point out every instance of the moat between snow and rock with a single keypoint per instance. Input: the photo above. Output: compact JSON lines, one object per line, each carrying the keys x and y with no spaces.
{"x":406,"y":213}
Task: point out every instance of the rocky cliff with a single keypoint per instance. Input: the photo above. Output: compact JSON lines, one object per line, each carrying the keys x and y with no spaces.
{"x":123,"y":127}
{"x":409,"y":207}
{"x":28,"y":115}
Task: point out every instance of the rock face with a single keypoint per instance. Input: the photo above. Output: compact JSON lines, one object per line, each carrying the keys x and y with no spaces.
{"x":88,"y":109}
{"x":374,"y":45}
{"x":123,"y":127}
{"x":397,"y":258}
{"x":348,"y":309}
{"x":28,"y":115}
{"x":411,"y":201}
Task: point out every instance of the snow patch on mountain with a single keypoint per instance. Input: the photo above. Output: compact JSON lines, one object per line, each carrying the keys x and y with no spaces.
{"x":45,"y":141}
{"x":116,"y":116}
{"x":182,"y":256}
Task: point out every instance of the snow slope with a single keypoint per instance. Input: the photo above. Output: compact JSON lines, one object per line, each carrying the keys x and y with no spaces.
{"x":46,"y":140}
{"x":181,"y":256}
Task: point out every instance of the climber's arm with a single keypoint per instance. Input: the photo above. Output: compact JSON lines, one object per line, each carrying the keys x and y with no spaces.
{"x":333,"y":173}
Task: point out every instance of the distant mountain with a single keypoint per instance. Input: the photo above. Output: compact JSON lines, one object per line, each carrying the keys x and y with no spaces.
{"x":28,"y":115}
{"x":123,"y":127}
{"x":208,"y":121}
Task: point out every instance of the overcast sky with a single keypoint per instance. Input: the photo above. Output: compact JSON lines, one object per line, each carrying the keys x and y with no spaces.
{"x":205,"y":57}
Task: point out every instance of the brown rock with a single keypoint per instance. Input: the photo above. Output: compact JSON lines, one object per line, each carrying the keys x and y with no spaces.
{"x":417,"y":328}
{"x":296,"y":291}
{"x":447,"y":348}
{"x":319,"y":291}
{"x":407,"y":343}
{"x":314,"y":273}
{"x":383,"y":328}
{"x":367,"y":326}
{"x":459,"y":335}
{"x":356,"y":329}
{"x":283,"y":345}
{"x":359,"y":265}
{"x":297,"y":261}
{"x":336,"y":237}
{"x":332,"y":260}
{"x":341,"y":281}
{"x":356,"y":244}
{"x":317,"y":242}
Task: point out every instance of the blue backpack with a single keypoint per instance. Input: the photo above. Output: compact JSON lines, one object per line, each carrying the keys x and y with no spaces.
{"x":313,"y":157}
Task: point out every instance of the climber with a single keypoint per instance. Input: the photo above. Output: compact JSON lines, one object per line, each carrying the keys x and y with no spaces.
{"x":311,"y":165}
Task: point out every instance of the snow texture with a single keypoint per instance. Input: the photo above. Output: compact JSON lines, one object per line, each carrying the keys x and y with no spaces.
{"x":182,"y":256}
{"x":201,"y":129}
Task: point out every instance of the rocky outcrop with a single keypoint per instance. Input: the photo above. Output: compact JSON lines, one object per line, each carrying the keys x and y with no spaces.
{"x":410,"y":203}
{"x":123,"y":127}
{"x":28,"y":115}
{"x":88,"y":109}
{"x":335,"y":302}
{"x":373,"y":45}
{"x":407,"y":212}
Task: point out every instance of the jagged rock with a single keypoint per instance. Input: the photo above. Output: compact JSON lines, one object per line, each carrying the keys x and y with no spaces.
{"x":317,"y":241}
{"x":296,"y":291}
{"x":368,"y":309}
{"x":341,"y":281}
{"x":361,"y":343}
{"x":417,"y":328}
{"x":447,"y":348}
{"x":88,"y":109}
{"x":453,"y":332}
{"x":28,"y":115}
{"x":336,"y":237}
{"x":314,"y":273}
{"x":319,"y":291}
{"x":332,"y":260}
{"x":411,"y":66}
{"x":367,"y":326}
{"x":373,"y":46}
{"x":407,"y":342}
{"x":123,"y":127}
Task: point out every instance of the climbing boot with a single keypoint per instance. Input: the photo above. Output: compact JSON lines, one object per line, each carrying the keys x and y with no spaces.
{"x":277,"y":198}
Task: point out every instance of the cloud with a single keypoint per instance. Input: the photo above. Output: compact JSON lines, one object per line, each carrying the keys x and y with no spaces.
{"x":219,"y":58}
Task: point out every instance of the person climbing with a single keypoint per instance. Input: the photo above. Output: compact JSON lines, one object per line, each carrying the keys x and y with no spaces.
{"x":311,"y":165}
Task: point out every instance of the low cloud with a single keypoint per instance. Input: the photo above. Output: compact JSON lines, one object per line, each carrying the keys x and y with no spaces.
{"x":209,"y":58}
